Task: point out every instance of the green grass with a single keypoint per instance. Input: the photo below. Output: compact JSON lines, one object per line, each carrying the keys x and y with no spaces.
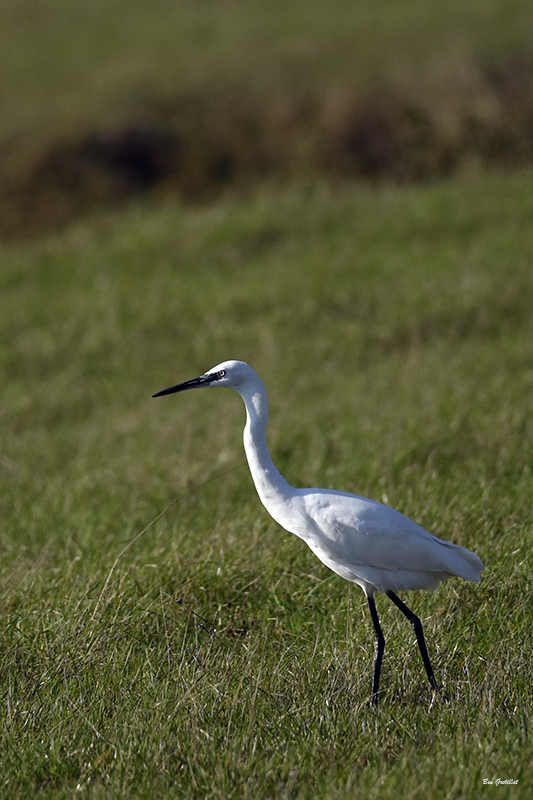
{"x":200,"y":651}
{"x":393,"y":328}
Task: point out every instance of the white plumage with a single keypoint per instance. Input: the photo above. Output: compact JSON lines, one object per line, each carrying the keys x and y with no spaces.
{"x":361,"y":540}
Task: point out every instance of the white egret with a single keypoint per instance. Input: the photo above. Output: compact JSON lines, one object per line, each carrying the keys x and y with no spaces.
{"x":361,"y":540}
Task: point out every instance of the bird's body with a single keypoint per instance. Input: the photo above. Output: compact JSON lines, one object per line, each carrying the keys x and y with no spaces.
{"x":361,"y":540}
{"x":373,"y":545}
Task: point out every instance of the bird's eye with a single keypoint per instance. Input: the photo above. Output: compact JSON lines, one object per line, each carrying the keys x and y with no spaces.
{"x":221,"y":373}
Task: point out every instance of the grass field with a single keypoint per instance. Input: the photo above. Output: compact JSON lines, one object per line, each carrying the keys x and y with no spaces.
{"x":393,"y":329}
{"x":161,"y":636}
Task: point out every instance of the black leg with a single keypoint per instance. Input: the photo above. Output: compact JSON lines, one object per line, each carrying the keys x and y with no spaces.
{"x":417,"y":627}
{"x":380,"y":647}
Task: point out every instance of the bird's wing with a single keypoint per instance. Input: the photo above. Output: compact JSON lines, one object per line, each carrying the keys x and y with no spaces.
{"x":358,"y":532}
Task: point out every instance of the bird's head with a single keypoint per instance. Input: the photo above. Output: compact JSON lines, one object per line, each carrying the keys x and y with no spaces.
{"x":229,"y":374}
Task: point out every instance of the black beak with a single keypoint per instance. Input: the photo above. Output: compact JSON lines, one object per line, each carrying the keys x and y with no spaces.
{"x":203,"y":380}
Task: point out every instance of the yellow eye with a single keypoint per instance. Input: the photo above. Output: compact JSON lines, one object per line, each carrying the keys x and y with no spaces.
{"x":221,"y":373}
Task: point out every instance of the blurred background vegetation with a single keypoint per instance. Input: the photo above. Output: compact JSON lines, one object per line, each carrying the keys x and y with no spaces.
{"x":102,"y":101}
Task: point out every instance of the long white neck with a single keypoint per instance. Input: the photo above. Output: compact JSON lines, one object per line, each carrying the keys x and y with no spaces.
{"x":272,"y":488}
